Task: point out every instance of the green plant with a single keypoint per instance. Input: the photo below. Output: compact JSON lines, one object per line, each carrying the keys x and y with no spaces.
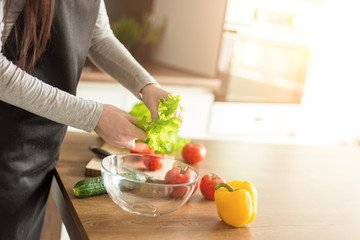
{"x":132,"y":33}
{"x":128,"y":31}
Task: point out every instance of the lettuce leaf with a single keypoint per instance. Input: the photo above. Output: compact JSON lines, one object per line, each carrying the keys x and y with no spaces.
{"x":162,"y":134}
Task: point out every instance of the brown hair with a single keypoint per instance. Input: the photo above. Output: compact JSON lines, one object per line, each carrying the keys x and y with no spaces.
{"x":38,"y":15}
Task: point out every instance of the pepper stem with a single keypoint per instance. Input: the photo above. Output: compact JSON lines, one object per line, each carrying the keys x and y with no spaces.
{"x":183,"y":170}
{"x":214,"y":176}
{"x":225,"y":185}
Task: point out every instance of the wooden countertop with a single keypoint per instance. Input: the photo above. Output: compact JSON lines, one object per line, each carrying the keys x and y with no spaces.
{"x":164,"y":75}
{"x":303,"y":193}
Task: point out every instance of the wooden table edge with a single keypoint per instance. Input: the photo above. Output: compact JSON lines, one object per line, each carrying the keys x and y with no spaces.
{"x":67,"y":211}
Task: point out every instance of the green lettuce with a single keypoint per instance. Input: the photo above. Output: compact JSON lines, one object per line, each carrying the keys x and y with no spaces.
{"x":162,"y":134}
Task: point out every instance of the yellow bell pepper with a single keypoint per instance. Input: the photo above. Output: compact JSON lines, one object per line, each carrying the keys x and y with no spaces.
{"x":236,"y":202}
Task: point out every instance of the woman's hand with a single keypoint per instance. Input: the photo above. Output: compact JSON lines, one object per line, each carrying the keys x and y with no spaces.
{"x":116,"y":128}
{"x":151,"y":94}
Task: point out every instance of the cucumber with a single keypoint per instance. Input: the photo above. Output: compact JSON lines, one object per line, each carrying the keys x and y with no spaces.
{"x":89,"y":187}
{"x":95,"y":185}
{"x":126,"y":186}
{"x":134,"y":176}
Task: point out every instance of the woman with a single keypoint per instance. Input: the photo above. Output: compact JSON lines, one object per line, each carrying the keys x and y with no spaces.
{"x":44,"y":44}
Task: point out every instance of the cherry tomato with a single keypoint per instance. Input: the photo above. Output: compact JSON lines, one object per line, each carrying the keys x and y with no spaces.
{"x":141,"y":147}
{"x":177,"y":175}
{"x":207,"y":185}
{"x":194,"y":153}
{"x":153,"y":162}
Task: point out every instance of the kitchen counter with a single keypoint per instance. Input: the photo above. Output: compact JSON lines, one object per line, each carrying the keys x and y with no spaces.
{"x":303,"y":193}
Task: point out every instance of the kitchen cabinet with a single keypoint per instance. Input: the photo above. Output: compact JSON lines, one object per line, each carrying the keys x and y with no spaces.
{"x":267,"y":49}
{"x":163,"y":74}
{"x":263,"y":122}
{"x":192,"y":38}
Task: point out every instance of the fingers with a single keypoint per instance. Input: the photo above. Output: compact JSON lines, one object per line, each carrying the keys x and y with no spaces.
{"x":154,"y":116}
{"x":135,"y":131}
{"x":131,"y":118}
{"x":178,"y":113}
{"x":138,"y":133}
{"x":128,"y":144}
{"x":116,"y":128}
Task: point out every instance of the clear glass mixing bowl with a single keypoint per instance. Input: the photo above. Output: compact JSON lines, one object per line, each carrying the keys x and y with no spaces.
{"x":150,"y":198}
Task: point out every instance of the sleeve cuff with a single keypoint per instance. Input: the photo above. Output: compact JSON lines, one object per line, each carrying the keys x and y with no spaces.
{"x":94,"y":119}
{"x":143,"y":84}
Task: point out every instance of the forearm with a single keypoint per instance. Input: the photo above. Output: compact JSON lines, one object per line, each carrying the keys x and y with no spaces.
{"x":113,"y":58}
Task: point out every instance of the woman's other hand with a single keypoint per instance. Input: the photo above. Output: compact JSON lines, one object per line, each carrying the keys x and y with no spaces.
{"x":151,"y":94}
{"x":116,"y":127}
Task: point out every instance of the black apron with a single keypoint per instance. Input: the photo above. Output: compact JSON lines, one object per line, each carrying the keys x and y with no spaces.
{"x":29,"y":144}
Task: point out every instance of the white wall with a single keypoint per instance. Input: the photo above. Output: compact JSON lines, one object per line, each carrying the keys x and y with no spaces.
{"x":331,"y":100}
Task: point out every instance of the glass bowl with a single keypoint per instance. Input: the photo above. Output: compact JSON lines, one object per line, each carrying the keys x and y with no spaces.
{"x":124,"y":177}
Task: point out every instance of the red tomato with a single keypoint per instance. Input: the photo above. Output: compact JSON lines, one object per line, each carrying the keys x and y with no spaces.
{"x":141,"y":147}
{"x":194,"y":153}
{"x":153,"y":162}
{"x":207,"y":185}
{"x":177,"y":175}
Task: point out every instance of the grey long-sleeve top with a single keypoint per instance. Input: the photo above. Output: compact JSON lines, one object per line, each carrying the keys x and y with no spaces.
{"x":27,"y":92}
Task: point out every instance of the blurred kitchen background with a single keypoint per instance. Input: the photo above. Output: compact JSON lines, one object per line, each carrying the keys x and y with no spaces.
{"x":274,"y":71}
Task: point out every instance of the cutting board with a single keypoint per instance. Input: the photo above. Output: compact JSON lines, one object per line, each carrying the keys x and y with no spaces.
{"x":93,"y":168}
